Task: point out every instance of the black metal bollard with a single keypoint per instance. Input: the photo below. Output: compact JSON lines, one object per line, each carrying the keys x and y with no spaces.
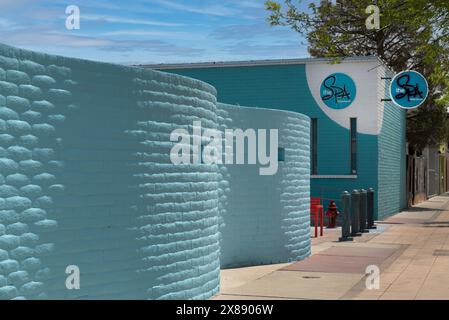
{"x":346,"y":224}
{"x":370,"y":219}
{"x":363,"y":211}
{"x":355,"y":218}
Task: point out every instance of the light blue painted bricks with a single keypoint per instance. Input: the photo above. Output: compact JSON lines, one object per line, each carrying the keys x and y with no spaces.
{"x":86,"y":180}
{"x":267,"y":217}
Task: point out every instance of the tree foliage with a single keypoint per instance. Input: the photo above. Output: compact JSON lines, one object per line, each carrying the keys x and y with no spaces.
{"x":414,"y":34}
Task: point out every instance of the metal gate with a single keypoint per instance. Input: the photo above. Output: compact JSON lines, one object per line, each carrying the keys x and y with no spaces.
{"x":416,"y":179}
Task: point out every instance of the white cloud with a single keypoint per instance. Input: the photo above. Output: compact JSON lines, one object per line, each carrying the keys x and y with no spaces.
{"x":5,"y":23}
{"x":145,"y":33}
{"x":176,"y":30}
{"x":213,"y":10}
{"x":12,"y":4}
{"x":70,"y":44}
{"x":29,"y":39}
{"x":256,"y":4}
{"x":252,"y":31}
{"x":114,"y":19}
{"x":251,"y":49}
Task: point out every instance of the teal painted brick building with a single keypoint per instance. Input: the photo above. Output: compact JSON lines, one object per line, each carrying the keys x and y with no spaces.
{"x":367,"y":151}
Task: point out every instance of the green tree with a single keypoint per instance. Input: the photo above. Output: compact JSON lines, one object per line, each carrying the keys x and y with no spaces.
{"x":414,"y":34}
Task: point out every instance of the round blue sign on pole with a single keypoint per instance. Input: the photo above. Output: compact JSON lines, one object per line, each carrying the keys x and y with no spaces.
{"x":409,"y":89}
{"x":338,"y":91}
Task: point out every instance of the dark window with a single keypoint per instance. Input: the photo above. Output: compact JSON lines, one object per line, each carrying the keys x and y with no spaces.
{"x":314,"y":146}
{"x":281,"y":154}
{"x":202,"y":154}
{"x":353,"y":137}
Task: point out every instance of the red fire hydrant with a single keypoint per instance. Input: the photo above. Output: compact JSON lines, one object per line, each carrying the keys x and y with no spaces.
{"x":332,"y":214}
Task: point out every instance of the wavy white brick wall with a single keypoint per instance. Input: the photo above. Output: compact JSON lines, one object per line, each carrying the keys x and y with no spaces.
{"x":86,"y":180}
{"x":180,"y":202}
{"x":267,"y":217}
{"x":31,"y":111}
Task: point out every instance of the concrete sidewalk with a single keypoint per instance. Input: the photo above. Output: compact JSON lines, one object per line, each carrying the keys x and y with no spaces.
{"x":411,"y":250}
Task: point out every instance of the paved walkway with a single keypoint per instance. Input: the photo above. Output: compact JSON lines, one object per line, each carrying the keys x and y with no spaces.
{"x":411,"y":250}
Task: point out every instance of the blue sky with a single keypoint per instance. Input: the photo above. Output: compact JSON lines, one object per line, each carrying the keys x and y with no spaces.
{"x":150,"y":31}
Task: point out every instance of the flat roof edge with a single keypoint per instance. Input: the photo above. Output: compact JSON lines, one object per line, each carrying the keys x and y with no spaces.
{"x":250,"y":63}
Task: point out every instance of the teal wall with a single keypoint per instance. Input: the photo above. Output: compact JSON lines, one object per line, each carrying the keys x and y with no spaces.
{"x":266,"y":219}
{"x":285,"y":87}
{"x":392,"y":159}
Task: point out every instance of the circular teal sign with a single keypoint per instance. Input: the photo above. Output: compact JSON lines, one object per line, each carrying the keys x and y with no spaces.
{"x":338,"y":91}
{"x":409,"y":89}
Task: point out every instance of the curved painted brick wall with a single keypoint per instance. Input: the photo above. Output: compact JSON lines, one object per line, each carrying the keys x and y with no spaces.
{"x":267,"y":217}
{"x":86,"y":180}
